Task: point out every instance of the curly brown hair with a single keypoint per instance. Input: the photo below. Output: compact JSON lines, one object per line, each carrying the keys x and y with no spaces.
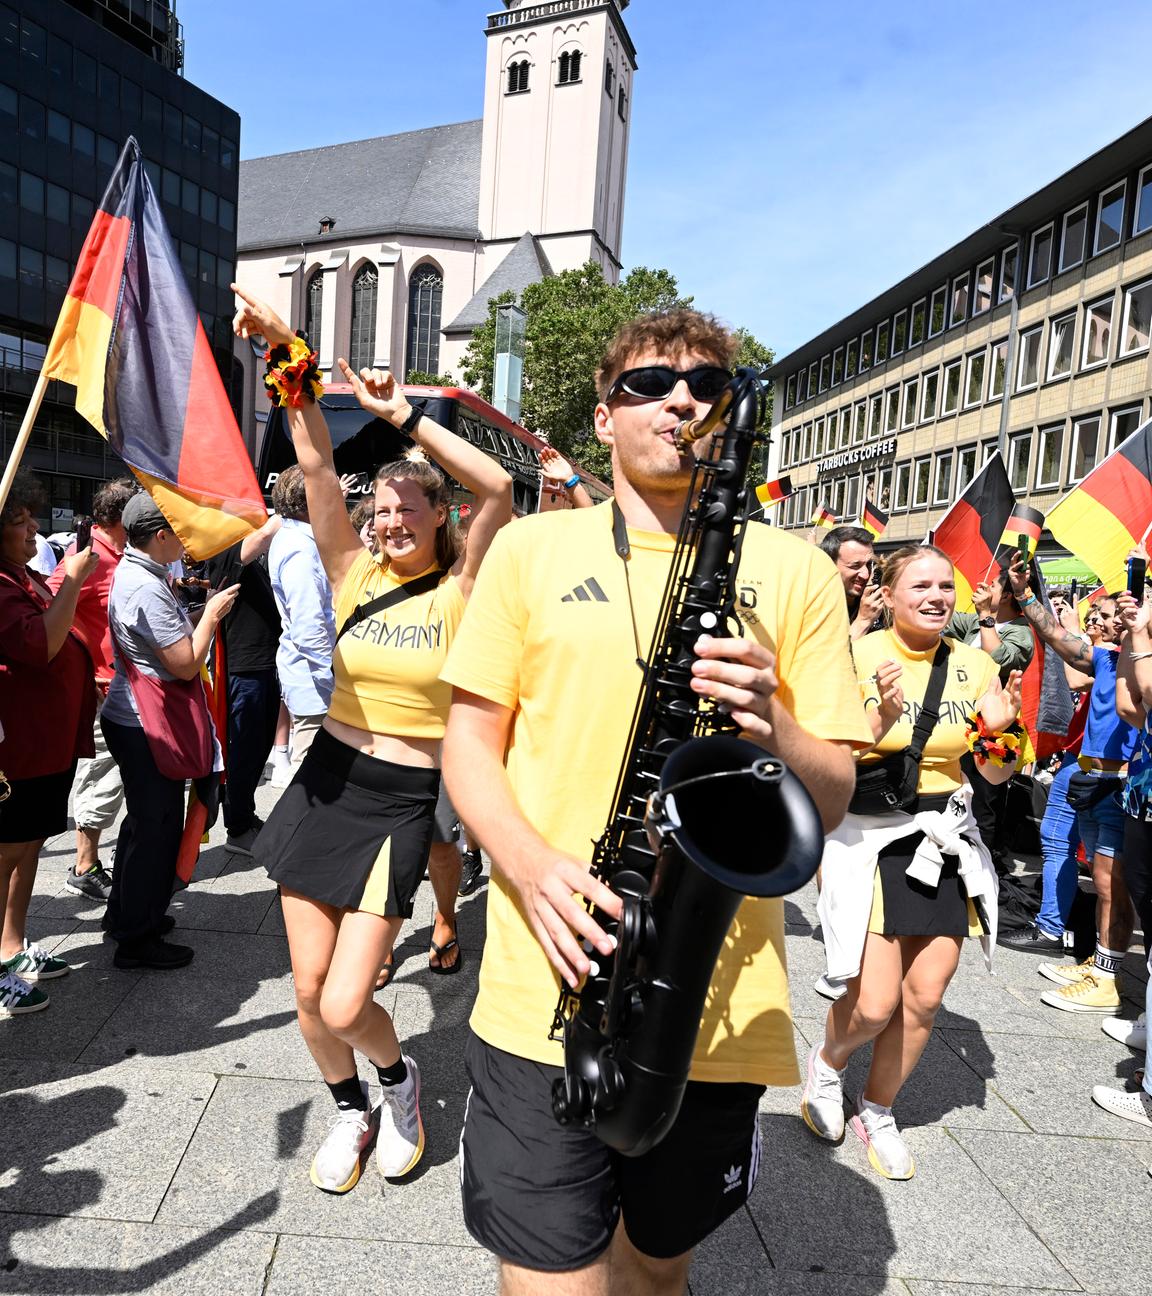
{"x":673,"y":334}
{"x":449,"y":545}
{"x":26,"y":492}
{"x":109,"y":501}
{"x":289,"y":497}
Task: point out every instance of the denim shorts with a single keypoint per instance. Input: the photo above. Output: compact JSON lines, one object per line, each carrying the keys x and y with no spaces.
{"x":1102,"y":827}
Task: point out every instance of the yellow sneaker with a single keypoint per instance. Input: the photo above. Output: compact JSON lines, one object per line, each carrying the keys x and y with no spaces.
{"x":1066,"y":973}
{"x":1086,"y":995}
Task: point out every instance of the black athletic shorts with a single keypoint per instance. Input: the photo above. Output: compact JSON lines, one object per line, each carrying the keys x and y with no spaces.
{"x":546,"y":1197}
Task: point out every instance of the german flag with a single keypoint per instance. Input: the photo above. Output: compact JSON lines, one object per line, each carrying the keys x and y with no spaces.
{"x":131,"y":343}
{"x":873,"y":519}
{"x":1110,"y":511}
{"x":823,"y":517}
{"x":774,"y":491}
{"x":970,"y":532}
{"x":1024,"y":522}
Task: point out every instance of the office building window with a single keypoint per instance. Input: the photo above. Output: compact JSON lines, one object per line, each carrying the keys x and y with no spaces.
{"x":965,"y":466}
{"x":790,"y":393}
{"x":1073,"y":237}
{"x":1029,"y":372}
{"x":801,"y":386}
{"x":227,"y":215}
{"x":882,"y":342}
{"x":958,"y":309}
{"x":59,"y":128}
{"x":851,"y":353}
{"x":314,"y":309}
{"x":845,"y":427}
{"x":911,"y":396}
{"x":1007,"y":274}
{"x":806,"y":444}
{"x":31,"y":193}
{"x":1142,"y":217}
{"x":1040,"y":256}
{"x":818,"y":440}
{"x":1110,"y":217}
{"x":1085,"y":448}
{"x":1123,"y":423}
{"x":1097,"y":333}
{"x":903,"y":486}
{"x":1060,"y":337}
{"x":936,"y":312}
{"x":892,"y":409}
{"x":875,"y":417}
{"x":1137,"y":316}
{"x":812,"y":378}
{"x":56,"y":204}
{"x":425,"y":293}
{"x":832,"y":431}
{"x":899,"y":332}
{"x":852,"y":497}
{"x":996,"y":376}
{"x":885,"y":479}
{"x":1019,"y":460}
{"x":825,"y":372}
{"x":7,"y":271}
{"x":866,"y":351}
{"x":362,"y":341}
{"x":943,"y":491}
{"x":1050,"y":454}
{"x":921,"y":482}
{"x":31,"y":269}
{"x":858,"y":424}
{"x":982,"y":299}
{"x":837,"y":366}
{"x":951,"y":401}
{"x":931,"y":395}
{"x":916,"y":327}
{"x":989,"y":448}
{"x":974,"y":384}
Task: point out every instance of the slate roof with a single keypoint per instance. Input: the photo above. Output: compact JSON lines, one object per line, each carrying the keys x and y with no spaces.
{"x":526,"y":264}
{"x":419,"y":182}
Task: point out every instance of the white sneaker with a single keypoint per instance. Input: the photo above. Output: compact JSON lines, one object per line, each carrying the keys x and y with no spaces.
{"x":400,"y":1144}
{"x":829,"y":989}
{"x":822,"y":1103}
{"x":336,"y":1165}
{"x":1129,"y":1106}
{"x":888,"y":1154}
{"x":281,"y":773}
{"x":1132,"y":1033}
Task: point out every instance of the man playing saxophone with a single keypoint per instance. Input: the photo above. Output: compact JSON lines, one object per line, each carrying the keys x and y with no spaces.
{"x":546,"y":669}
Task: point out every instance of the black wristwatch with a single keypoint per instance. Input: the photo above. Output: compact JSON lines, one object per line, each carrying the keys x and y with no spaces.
{"x":989,"y":623}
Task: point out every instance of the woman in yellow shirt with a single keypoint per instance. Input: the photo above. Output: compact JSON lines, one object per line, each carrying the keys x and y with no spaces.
{"x":902,"y":888}
{"x":349,"y":839}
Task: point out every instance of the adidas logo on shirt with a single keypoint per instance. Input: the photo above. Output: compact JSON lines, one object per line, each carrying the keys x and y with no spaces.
{"x":732,"y":1178}
{"x":587,"y":592}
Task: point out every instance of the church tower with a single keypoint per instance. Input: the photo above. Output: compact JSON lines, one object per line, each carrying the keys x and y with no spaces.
{"x":557,"y":106}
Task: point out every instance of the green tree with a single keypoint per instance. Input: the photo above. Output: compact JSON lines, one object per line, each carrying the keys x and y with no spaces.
{"x":571,"y":318}
{"x":422,"y":378}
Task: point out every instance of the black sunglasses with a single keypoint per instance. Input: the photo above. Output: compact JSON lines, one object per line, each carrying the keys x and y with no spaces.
{"x":656,"y":382}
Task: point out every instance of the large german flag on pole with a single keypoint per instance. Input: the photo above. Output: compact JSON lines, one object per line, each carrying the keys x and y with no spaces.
{"x":970,"y":533}
{"x":130,"y":341}
{"x":1111,"y":509}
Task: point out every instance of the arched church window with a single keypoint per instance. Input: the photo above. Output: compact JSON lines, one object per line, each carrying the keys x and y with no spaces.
{"x":518,"y":77}
{"x":425,"y":291}
{"x":569,"y":67}
{"x":362,"y":344}
{"x":609,"y":80}
{"x":313,"y":309}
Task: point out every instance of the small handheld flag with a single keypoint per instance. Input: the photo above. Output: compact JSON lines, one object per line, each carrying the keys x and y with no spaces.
{"x":1023,"y":527}
{"x":873,"y":519}
{"x":131,"y":343}
{"x":823,"y":517}
{"x":774,"y":491}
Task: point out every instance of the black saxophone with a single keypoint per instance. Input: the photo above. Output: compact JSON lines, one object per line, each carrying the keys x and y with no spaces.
{"x":701,"y":818}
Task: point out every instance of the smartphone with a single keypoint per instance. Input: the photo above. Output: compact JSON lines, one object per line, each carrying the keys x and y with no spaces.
{"x":1137,"y":571}
{"x":877,"y":574}
{"x":83,"y":533}
{"x":1073,"y":591}
{"x":1024,"y":549}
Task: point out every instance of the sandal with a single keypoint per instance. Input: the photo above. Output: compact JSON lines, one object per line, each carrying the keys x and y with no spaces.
{"x":441,"y":969}
{"x":384,"y":976}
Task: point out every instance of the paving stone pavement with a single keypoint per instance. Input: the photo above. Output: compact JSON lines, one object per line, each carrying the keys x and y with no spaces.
{"x":156,"y":1130}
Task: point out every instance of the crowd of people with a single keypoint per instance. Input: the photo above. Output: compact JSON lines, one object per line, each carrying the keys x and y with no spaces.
{"x":424,"y":678}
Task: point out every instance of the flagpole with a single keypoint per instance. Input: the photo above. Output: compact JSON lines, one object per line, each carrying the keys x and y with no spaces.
{"x":22,"y":437}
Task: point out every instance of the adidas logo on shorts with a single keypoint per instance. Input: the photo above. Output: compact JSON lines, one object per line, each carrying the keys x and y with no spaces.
{"x":733,"y":1178}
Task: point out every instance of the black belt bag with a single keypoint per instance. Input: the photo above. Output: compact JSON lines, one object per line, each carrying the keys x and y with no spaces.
{"x":888,"y":785}
{"x":1087,"y":790}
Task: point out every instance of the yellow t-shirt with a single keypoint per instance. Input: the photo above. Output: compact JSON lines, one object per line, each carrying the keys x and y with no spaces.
{"x":387,"y":669}
{"x":548,"y":633}
{"x":970,"y":671}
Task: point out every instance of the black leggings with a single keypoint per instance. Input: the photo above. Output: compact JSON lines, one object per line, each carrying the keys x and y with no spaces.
{"x":1138,"y":873}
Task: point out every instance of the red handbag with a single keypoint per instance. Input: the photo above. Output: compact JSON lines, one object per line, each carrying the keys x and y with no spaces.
{"x":175,"y":718}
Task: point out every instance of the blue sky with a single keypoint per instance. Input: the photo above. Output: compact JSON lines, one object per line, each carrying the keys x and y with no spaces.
{"x":788,"y":161}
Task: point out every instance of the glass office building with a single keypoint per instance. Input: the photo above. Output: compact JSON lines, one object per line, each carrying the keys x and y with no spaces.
{"x":77,"y":77}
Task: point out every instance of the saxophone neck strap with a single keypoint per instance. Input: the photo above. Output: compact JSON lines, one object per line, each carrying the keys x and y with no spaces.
{"x":623,"y":547}
{"x":620,"y":533}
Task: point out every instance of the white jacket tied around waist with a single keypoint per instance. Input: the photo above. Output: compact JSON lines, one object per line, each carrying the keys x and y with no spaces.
{"x":848,"y":873}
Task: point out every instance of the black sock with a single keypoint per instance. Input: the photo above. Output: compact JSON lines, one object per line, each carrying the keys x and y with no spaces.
{"x":349,"y":1095}
{"x":396,"y":1074}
